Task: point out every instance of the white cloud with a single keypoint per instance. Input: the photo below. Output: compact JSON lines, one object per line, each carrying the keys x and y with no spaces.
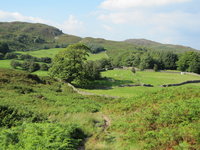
{"x":176,"y":19}
{"x":15,"y":16}
{"x":72,"y":25}
{"x":168,"y":27}
{"x":126,"y":4}
{"x":107,"y":28}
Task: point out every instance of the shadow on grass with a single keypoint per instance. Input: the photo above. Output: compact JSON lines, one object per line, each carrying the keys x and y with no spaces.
{"x":107,"y":83}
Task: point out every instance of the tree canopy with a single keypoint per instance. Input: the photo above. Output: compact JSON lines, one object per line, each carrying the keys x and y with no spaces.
{"x":68,"y":65}
{"x":189,"y":61}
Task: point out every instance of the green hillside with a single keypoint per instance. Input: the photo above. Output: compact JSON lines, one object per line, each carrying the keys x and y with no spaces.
{"x":159,"y":46}
{"x":31,"y":36}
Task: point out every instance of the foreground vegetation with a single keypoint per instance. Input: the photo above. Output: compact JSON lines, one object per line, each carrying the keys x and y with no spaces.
{"x":55,"y":116}
{"x":59,"y":118}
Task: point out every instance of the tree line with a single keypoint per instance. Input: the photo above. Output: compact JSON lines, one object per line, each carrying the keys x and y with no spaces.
{"x":159,"y":60}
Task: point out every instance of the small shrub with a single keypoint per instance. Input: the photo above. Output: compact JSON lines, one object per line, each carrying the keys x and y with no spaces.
{"x":133,"y":70}
{"x":14,"y":64}
{"x":44,"y":67}
{"x":10,"y":56}
{"x":155,"y":67}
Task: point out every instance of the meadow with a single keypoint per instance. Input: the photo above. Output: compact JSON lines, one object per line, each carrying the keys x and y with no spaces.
{"x":53,"y":51}
{"x":5,"y":63}
{"x":115,"y":78}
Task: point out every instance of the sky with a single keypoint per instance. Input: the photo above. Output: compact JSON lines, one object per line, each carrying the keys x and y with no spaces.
{"x":165,"y":21}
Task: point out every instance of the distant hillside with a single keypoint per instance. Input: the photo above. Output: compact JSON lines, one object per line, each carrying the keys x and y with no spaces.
{"x":159,"y":46}
{"x":27,"y":36}
{"x":32,"y":36}
{"x":111,"y":46}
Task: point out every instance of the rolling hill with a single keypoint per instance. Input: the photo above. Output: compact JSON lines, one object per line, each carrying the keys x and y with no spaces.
{"x":159,"y":46}
{"x":32,"y":36}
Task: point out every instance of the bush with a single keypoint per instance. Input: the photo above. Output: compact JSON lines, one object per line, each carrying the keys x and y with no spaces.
{"x":33,"y":67}
{"x":12,"y":117}
{"x":25,"y":57}
{"x":133,"y":70}
{"x":155,"y":67}
{"x":14,"y":64}
{"x":30,"y":66}
{"x":45,"y":59}
{"x":1,"y":55}
{"x":42,"y":136}
{"x":10,"y":56}
{"x":44,"y":67}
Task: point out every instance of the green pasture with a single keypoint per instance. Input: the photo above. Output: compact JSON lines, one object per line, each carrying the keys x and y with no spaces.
{"x":43,"y":53}
{"x":53,"y":51}
{"x":115,"y":78}
{"x":5,"y":64}
{"x":97,"y":56}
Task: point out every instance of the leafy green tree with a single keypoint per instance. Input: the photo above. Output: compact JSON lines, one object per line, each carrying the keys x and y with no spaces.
{"x":92,"y":70}
{"x":4,"y":48}
{"x":104,"y":63}
{"x":189,"y":61}
{"x":169,"y":60}
{"x":95,"y":48}
{"x":146,"y":62}
{"x":68,"y":64}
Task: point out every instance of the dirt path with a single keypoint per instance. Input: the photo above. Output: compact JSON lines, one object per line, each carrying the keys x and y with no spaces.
{"x":107,"y":123}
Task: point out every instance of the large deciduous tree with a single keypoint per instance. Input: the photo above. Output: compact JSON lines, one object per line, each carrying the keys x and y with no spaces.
{"x":68,"y":65}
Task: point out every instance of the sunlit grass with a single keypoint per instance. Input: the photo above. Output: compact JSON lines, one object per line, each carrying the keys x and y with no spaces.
{"x":123,"y":77}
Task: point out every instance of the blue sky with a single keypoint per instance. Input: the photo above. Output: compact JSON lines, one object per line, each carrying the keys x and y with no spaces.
{"x":166,"y":21}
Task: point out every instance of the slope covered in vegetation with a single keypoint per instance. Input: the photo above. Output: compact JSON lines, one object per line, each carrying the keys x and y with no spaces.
{"x":58,"y":117}
{"x":55,"y":116}
{"x":159,"y":46}
{"x":31,"y":36}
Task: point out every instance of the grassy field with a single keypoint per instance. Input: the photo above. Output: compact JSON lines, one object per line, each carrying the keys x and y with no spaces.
{"x":97,"y":56}
{"x":123,"y":77}
{"x":43,"y":53}
{"x":5,"y":64}
{"x":52,"y":52}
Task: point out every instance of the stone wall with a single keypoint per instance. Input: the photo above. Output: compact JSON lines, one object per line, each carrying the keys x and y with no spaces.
{"x":182,"y":83}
